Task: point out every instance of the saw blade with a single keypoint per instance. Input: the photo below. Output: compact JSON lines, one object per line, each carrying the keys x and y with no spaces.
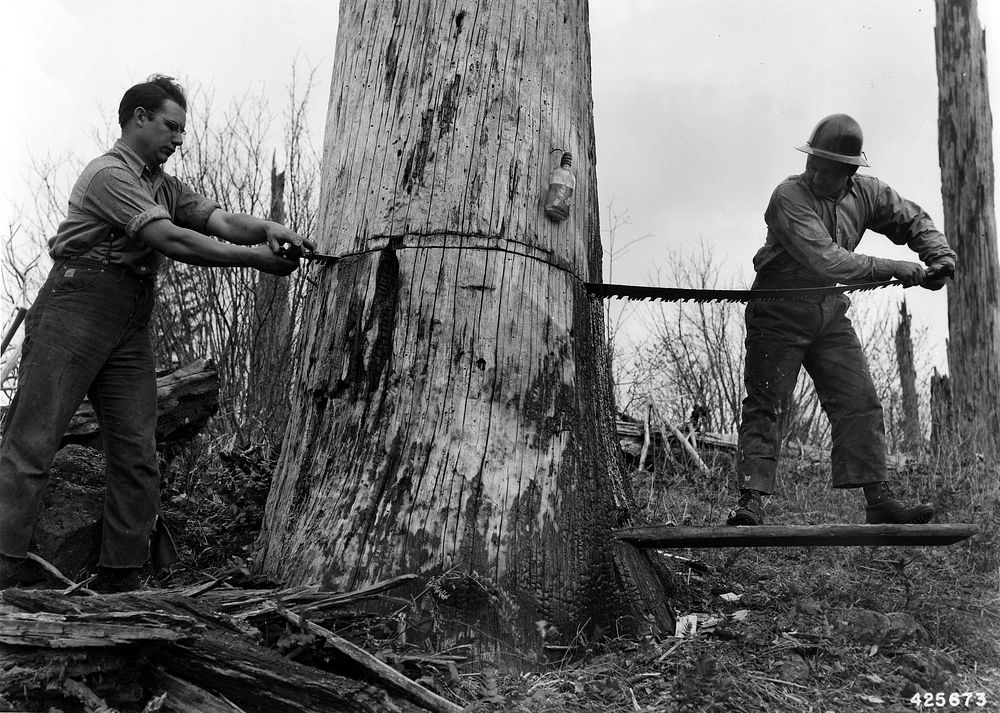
{"x":641,"y":293}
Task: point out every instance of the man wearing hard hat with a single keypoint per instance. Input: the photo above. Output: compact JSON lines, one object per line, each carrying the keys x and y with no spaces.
{"x":814,"y":222}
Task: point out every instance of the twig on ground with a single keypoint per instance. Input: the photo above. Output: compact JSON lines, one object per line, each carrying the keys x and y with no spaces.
{"x":380,"y":670}
{"x":51,"y":569}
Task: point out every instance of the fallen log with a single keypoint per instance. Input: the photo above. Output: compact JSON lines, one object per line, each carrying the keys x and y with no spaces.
{"x":214,"y":661}
{"x":260,"y":681}
{"x":62,"y":631}
{"x":180,"y":696}
{"x":186,"y":399}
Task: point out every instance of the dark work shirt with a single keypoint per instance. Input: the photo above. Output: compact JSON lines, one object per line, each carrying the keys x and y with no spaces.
{"x":113,"y":199}
{"x":811,"y":240}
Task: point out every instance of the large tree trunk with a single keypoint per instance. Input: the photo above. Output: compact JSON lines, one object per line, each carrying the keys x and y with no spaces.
{"x":453,"y":411}
{"x":966,"y":157}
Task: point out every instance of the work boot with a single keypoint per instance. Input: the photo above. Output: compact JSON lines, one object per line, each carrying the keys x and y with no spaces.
{"x":884,"y":509}
{"x":893,"y":512}
{"x":20,"y":572}
{"x":749,"y":510}
{"x":112,"y":580}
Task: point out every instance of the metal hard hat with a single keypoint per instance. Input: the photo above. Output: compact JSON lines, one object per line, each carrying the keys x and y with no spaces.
{"x":838,"y":138}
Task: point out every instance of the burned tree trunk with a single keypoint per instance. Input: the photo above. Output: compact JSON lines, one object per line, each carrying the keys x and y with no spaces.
{"x":452,"y":416}
{"x":943,"y":432}
{"x":912,"y":435}
{"x":965,"y":127}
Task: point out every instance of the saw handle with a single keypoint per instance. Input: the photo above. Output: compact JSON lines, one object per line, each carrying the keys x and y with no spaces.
{"x":937,"y":275}
{"x":290,"y":252}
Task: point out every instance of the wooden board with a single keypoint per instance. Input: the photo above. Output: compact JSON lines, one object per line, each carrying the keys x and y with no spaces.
{"x":667,"y":537}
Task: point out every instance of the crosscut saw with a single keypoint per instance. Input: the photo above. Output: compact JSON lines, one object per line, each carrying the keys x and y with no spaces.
{"x":641,"y":293}
{"x":683,"y":294}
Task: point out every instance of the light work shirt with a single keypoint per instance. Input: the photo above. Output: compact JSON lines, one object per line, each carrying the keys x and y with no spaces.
{"x":115,"y":197}
{"x":811,"y":240}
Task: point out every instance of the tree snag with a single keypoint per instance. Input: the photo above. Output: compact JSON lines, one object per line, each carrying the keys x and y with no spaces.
{"x":451,"y":414}
{"x":271,"y":335}
{"x":912,"y":432}
{"x":965,"y":152}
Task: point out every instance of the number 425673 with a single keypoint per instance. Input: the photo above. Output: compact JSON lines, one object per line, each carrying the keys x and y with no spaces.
{"x":951,"y":700}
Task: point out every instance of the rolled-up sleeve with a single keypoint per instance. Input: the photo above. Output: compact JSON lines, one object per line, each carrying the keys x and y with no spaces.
{"x":192,"y":209}
{"x":140,"y":221}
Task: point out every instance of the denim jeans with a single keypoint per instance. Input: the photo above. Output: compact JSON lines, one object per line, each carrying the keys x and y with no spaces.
{"x":783,"y":336}
{"x":86,"y":335}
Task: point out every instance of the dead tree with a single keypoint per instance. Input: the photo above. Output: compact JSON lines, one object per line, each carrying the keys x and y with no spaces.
{"x":270,"y":346}
{"x":965,"y":127}
{"x":912,"y":435}
{"x":943,"y":433}
{"x":452,"y":414}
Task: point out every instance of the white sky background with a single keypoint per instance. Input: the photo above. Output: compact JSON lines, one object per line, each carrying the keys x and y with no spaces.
{"x":698,"y":103}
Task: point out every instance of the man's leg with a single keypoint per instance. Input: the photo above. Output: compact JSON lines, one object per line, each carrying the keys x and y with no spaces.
{"x":839,"y":370}
{"x":65,"y":345}
{"x":124,"y":399}
{"x":777,"y":335}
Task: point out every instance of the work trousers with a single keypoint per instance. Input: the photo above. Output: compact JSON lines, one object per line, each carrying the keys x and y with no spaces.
{"x":86,"y":335}
{"x":783,"y":336}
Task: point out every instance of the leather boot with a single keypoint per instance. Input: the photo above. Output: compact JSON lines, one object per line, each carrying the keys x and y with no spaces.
{"x":749,"y":510}
{"x":884,"y":509}
{"x":112,"y":580}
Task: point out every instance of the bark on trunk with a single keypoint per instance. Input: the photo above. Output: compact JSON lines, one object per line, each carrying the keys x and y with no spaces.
{"x":965,"y":127}
{"x":453,"y":411}
{"x":912,"y":437}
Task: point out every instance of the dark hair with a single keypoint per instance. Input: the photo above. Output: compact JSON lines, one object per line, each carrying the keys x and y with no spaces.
{"x":150,"y":95}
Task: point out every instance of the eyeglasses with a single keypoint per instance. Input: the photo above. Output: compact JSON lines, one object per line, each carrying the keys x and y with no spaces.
{"x":175,"y":128}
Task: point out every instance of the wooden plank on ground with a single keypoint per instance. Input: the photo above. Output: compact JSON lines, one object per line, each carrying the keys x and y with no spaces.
{"x":668,"y":537}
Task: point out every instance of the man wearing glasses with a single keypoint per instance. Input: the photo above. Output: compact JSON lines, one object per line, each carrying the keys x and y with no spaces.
{"x":87,"y":332}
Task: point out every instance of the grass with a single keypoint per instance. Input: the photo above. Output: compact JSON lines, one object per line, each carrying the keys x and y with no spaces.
{"x":807,"y":632}
{"x":810,"y":629}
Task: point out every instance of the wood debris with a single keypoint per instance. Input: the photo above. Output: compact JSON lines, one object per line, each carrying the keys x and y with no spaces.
{"x":197,"y":649}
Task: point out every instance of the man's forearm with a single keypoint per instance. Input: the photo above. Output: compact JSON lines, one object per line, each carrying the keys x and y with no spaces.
{"x":237,"y":228}
{"x":194,"y":248}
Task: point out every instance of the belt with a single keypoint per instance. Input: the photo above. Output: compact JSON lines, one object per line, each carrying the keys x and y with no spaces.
{"x":102,"y":265}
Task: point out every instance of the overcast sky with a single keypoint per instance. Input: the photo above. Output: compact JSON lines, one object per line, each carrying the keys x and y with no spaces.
{"x":698,"y":104}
